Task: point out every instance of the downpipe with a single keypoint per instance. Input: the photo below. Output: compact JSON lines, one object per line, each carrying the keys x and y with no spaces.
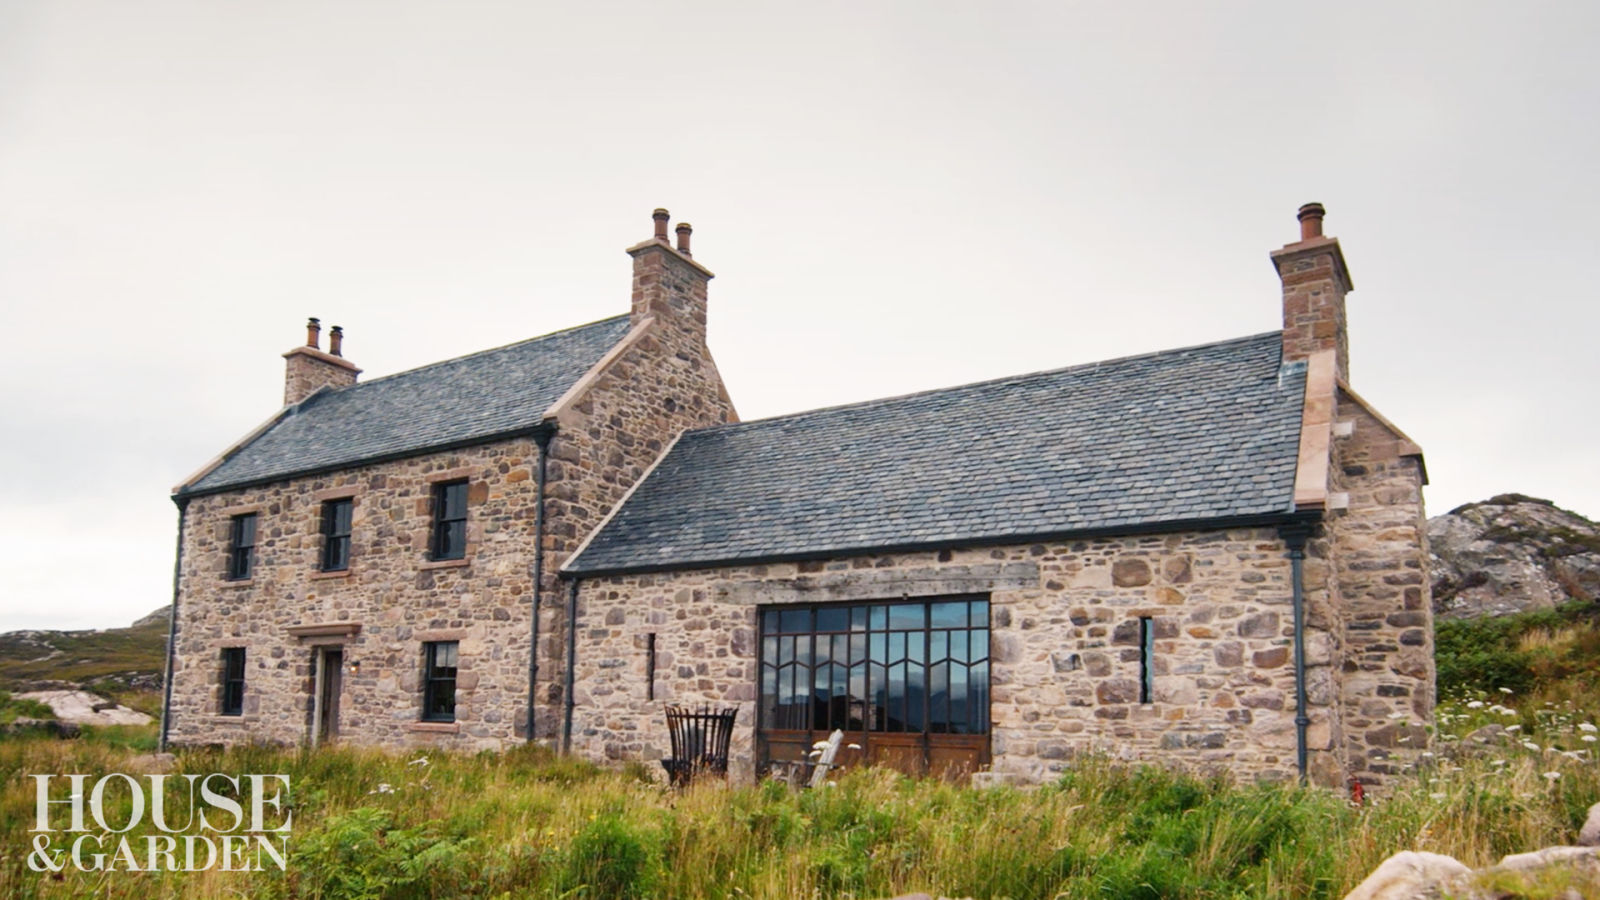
{"x":1295,"y":538}
{"x":542,"y":438}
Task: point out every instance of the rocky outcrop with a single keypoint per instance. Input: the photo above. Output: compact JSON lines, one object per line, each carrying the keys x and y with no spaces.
{"x":84,"y":708}
{"x":1511,"y":553}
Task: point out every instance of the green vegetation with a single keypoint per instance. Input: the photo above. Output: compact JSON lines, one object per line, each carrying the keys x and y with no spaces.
{"x":1547,"y":654}
{"x":525,"y":823}
{"x":13,"y":708}
{"x":82,"y":657}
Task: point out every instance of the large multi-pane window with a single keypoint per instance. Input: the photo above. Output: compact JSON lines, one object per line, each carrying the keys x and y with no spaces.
{"x":241,"y":546}
{"x":912,"y":666}
{"x":450,"y":520}
{"x":336,"y":534}
{"x":439,"y":681}
{"x":232,"y":681}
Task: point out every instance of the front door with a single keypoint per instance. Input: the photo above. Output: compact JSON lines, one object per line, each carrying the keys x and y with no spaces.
{"x":329,"y":686}
{"x":907,"y":681}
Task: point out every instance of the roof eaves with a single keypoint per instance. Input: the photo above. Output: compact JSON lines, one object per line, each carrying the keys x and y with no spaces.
{"x":1138,"y":528}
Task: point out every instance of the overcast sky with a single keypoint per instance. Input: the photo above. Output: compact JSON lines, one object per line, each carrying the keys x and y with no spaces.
{"x":895,"y":196}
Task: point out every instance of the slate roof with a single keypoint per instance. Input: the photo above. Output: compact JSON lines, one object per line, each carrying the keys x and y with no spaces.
{"x":1201,"y":433}
{"x":453,"y":402}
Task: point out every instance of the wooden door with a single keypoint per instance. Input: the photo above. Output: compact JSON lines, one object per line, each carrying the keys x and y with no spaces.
{"x":331,"y":686}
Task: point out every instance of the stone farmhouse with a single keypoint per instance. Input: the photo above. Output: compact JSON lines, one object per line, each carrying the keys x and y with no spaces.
{"x":1212,"y":556}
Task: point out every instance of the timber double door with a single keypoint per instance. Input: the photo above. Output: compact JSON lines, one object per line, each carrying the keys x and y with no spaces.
{"x":907,"y":681}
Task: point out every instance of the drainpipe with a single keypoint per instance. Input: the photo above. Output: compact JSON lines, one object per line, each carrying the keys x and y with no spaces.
{"x":1295,"y":537}
{"x":572,"y":661}
{"x":541,"y":437}
{"x":172,"y":628}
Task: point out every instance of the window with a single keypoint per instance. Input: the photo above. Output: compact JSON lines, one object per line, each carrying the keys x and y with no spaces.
{"x":233,"y":681}
{"x":241,"y":547}
{"x":336,"y":534}
{"x":439,"y":681}
{"x":450,"y":520}
{"x":1147,"y":658}
{"x":919,"y":667}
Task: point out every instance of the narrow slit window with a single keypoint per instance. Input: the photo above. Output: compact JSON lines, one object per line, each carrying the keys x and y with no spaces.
{"x":1147,"y":656}
{"x":336,"y":534}
{"x":233,"y":681}
{"x":650,"y":666}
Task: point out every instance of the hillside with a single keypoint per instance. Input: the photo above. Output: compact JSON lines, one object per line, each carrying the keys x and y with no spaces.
{"x":1509,"y":554}
{"x":112,"y":659}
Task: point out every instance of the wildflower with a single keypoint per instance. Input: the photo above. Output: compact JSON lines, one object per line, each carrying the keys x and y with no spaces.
{"x":820,"y":745}
{"x":420,"y":761}
{"x":383,"y":788}
{"x":1587,"y":726}
{"x":1552,"y":776}
{"x":852,"y":746}
{"x":1506,"y":690}
{"x":1497,"y":762}
{"x":1530,"y":745}
{"x":1476,"y":704}
{"x":1588,"y":737}
{"x":1513,"y":727}
{"x":1438,"y":796}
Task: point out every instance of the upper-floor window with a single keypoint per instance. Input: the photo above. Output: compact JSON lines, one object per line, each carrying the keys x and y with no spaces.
{"x":439,"y":681}
{"x":241,"y":547}
{"x":233,"y":681}
{"x":449,"y":520}
{"x":336,"y":534}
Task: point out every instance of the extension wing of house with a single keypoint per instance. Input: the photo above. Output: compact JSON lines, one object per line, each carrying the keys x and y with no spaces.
{"x":1211,"y":556}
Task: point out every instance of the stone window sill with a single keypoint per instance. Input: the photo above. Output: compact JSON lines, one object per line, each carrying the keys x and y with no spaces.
{"x":232,"y":720}
{"x":320,"y":576}
{"x":436,"y":727}
{"x":446,"y":563}
{"x":230,"y":583}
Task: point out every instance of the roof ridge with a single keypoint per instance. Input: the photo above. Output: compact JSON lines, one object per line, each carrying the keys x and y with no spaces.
{"x":879,"y":401}
{"x":465,"y":356}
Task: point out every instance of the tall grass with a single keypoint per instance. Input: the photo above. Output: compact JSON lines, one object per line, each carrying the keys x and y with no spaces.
{"x":379,"y":825}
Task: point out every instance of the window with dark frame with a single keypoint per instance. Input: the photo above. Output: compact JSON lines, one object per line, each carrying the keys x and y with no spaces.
{"x":233,"y":681}
{"x":241,"y":546}
{"x":1147,"y":657}
{"x":449,"y":520}
{"x":919,"y":666}
{"x":439,"y":681}
{"x":336,"y":534}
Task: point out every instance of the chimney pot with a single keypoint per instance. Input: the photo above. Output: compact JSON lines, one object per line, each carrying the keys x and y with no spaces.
{"x":313,"y":332}
{"x":336,"y":341}
{"x":684,"y":230}
{"x":1310,"y":216}
{"x":661,"y":216}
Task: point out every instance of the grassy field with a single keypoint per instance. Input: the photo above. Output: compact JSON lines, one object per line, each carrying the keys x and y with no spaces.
{"x":374,"y":825}
{"x":370,"y":824}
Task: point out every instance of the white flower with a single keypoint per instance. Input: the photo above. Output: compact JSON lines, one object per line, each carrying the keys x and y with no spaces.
{"x":1587,"y":726}
{"x":1439,"y":796}
{"x":383,"y":788}
{"x":1552,"y":776}
{"x":1513,"y":727}
{"x":820,"y":745}
{"x":1497,"y":762}
{"x":1476,"y":704}
{"x":420,"y":761}
{"x":1530,"y":745}
{"x":852,"y":746}
{"x":1506,"y":690}
{"x":1588,"y":737}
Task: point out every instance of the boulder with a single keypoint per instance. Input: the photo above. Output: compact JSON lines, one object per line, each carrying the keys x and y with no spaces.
{"x":82,"y":707}
{"x":1412,"y":875}
{"x":1589,"y":836}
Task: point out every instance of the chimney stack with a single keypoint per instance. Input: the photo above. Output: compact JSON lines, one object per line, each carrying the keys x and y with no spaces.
{"x":1315,"y":282}
{"x":308,"y":369}
{"x":668,"y":285}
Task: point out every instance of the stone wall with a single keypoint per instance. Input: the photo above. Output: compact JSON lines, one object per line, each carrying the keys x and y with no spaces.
{"x":1064,"y":644}
{"x":616,"y":427}
{"x":1388,"y":679}
{"x":397,"y":595}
